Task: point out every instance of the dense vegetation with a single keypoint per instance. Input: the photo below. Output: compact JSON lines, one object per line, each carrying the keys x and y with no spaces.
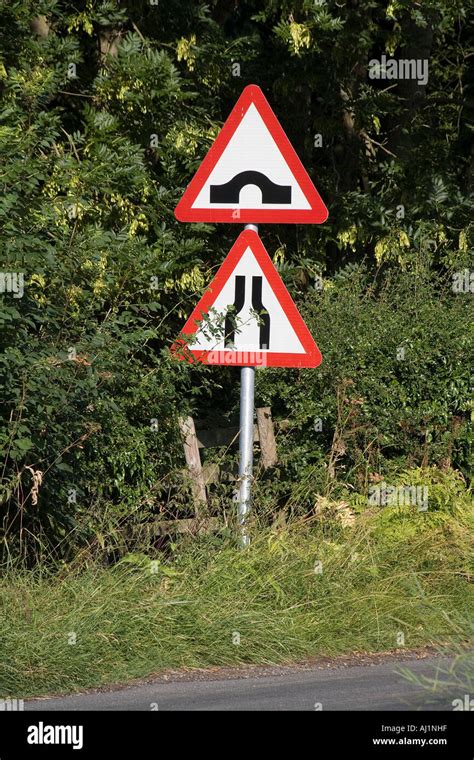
{"x":107,"y":110}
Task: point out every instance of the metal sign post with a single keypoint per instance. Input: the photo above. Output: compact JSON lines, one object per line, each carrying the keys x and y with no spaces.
{"x":247,"y":406}
{"x":251,"y":151}
{"x":247,"y":384}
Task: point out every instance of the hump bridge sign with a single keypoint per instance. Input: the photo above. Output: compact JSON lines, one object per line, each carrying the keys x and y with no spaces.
{"x":252,"y":173}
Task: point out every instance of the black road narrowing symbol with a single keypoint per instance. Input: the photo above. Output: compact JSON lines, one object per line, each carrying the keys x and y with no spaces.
{"x":229,"y":327}
{"x":229,"y":192}
{"x":257,"y":305}
{"x":263,"y":314}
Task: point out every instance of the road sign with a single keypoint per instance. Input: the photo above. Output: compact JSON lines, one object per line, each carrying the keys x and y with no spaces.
{"x":251,"y":173}
{"x":246,"y":317}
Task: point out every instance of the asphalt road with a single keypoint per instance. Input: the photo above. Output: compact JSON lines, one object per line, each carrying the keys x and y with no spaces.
{"x":356,"y":687}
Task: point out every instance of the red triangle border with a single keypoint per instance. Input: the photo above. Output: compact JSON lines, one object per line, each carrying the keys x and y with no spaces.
{"x":312,"y":356}
{"x":318,"y":212}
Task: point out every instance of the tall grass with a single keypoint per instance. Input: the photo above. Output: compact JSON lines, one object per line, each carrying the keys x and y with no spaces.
{"x":456,"y":672}
{"x":296,"y":592}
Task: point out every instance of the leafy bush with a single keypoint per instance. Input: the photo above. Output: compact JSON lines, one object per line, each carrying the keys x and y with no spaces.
{"x":394,"y":388}
{"x":94,"y":409}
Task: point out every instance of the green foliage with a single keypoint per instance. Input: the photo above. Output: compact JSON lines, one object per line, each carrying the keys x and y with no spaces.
{"x":394,"y":389}
{"x":106,"y":113}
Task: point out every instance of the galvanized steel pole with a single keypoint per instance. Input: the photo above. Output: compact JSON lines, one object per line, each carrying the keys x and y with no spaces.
{"x":247,"y":393}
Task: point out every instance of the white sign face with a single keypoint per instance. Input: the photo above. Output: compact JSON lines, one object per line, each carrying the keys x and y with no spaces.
{"x":247,"y":317}
{"x":251,"y":173}
{"x":270,"y":331}
{"x":252,"y":157}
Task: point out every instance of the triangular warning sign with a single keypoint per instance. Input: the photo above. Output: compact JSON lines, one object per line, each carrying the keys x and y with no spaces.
{"x":246,"y":317}
{"x":251,"y":173}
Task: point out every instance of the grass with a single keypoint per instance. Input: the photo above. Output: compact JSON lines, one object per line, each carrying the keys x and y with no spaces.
{"x":397,"y":571}
{"x":456,"y":673}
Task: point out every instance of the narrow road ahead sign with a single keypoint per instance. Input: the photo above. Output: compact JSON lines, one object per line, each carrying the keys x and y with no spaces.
{"x":251,"y":173}
{"x":246,"y":317}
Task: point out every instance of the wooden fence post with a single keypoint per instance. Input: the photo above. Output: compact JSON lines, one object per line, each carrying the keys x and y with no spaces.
{"x":266,"y":437}
{"x":193,"y":460}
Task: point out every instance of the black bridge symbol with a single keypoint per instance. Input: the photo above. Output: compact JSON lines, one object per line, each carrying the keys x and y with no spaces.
{"x":229,"y":192}
{"x":257,"y":305}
